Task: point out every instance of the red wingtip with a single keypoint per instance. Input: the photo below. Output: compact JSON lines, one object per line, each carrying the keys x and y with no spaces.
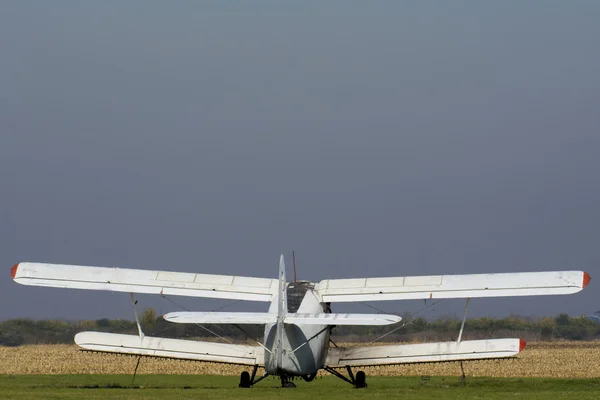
{"x":522,"y":345}
{"x":13,"y":271}
{"x":586,"y":279}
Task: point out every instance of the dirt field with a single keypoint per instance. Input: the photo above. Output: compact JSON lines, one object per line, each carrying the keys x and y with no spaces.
{"x":555,"y":359}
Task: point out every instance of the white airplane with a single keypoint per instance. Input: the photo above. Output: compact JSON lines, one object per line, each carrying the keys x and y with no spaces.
{"x":299,"y":320}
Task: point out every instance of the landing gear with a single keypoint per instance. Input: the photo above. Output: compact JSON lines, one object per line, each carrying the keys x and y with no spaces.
{"x":244,"y":380}
{"x":359,"y":382}
{"x":247,"y":381}
{"x":286,"y":383}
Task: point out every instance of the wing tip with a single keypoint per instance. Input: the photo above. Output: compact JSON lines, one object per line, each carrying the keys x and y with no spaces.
{"x":586,"y":280}
{"x":13,"y":271}
{"x":522,"y":345}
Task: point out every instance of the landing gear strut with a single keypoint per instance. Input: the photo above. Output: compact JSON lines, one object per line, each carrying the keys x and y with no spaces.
{"x":359,"y":382}
{"x":247,"y":381}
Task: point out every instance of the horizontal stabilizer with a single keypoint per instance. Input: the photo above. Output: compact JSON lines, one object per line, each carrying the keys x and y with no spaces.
{"x":171,"y":348}
{"x":424,"y":352}
{"x":341,"y":319}
{"x":190,"y":317}
{"x":453,"y":286}
{"x":144,"y":281}
{"x":185,"y":317}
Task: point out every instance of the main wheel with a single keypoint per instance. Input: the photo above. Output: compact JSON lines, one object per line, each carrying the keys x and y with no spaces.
{"x":361,"y":380}
{"x":244,"y":380}
{"x":289,"y":385}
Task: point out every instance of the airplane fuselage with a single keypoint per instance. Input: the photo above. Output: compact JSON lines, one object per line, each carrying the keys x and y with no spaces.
{"x":303,"y":347}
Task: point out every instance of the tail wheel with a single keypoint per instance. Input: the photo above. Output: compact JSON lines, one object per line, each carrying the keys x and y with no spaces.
{"x":244,"y":380}
{"x":360,"y":380}
{"x":309,"y":378}
{"x":286,"y":382}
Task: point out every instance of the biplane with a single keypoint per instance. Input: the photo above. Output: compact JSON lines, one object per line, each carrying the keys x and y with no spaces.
{"x":299,"y":320}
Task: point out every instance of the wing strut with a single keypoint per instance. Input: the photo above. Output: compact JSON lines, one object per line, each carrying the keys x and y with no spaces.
{"x":462,"y":326}
{"x":137,"y":319}
{"x":311,"y":338}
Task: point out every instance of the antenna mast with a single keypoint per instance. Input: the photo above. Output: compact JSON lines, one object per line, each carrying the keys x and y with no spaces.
{"x":294,"y":259}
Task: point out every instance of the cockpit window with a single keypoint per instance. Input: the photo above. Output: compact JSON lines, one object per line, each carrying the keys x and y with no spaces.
{"x":295,"y":294}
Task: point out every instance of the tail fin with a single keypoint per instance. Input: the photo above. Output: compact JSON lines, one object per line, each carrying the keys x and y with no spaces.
{"x":281,"y":311}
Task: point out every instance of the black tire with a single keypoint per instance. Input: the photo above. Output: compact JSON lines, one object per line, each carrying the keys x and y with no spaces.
{"x":289,"y":385}
{"x":361,"y":380}
{"x":244,"y":380}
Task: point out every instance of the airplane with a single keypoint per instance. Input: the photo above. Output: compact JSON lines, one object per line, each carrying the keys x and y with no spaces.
{"x":299,"y":320}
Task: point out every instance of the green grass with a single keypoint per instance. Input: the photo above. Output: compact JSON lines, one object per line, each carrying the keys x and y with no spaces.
{"x":225,"y":387}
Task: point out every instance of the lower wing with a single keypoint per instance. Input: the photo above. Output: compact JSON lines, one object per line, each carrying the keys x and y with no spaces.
{"x":171,"y":348}
{"x":423,"y":352}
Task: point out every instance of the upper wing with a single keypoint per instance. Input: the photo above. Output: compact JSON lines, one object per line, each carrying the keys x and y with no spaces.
{"x":453,"y":286}
{"x":171,"y":348}
{"x":423,"y":352}
{"x":144,"y":281}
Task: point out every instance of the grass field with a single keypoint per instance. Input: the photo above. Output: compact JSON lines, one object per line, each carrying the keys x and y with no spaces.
{"x":556,"y":370}
{"x":221,"y":387}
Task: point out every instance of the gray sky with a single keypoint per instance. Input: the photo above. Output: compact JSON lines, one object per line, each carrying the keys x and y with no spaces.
{"x":374,"y":138}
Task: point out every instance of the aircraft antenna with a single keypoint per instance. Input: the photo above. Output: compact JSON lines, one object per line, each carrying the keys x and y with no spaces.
{"x":294,"y":259}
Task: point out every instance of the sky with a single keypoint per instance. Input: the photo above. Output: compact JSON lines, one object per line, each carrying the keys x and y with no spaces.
{"x":373,"y":138}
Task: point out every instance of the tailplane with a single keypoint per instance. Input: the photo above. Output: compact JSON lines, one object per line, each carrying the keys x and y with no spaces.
{"x":190,"y":317}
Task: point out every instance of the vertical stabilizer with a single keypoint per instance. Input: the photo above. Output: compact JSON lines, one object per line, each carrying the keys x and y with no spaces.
{"x":281,"y":310}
